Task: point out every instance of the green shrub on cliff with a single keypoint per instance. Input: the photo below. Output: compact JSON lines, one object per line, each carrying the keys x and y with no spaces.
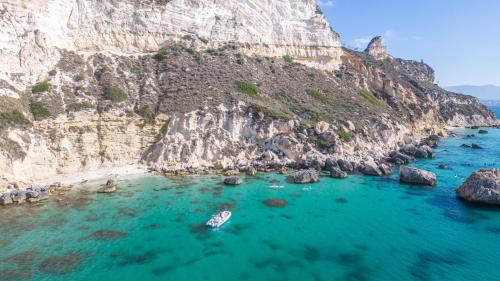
{"x":13,"y":118}
{"x":273,"y":113}
{"x":371,"y":99}
{"x":77,"y":106}
{"x":39,"y":111}
{"x":146,"y":113}
{"x":41,"y":87}
{"x":318,"y":95}
{"x":114,"y":94}
{"x":248,"y":88}
{"x":345,"y":135}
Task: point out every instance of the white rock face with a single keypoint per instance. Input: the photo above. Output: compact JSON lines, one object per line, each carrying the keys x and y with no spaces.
{"x":31,"y":32}
{"x":377,"y":49}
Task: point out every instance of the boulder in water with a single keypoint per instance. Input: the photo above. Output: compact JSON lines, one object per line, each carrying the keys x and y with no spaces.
{"x":483,"y":186}
{"x":370,"y":168}
{"x":335,"y":172}
{"x":5,"y":199}
{"x":345,"y":165}
{"x":416,"y":176}
{"x":232,"y":181}
{"x":386,"y":169}
{"x":476,"y":146}
{"x":306,"y":176}
{"x":424,"y":151}
{"x":109,"y":187}
{"x":251,"y":171}
{"x":444,"y":166}
{"x":482,"y":132}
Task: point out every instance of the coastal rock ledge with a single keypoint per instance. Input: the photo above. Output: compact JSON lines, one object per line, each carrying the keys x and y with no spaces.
{"x":483,"y":186}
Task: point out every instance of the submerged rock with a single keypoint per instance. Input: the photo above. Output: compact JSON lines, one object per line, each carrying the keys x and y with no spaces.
{"x":109,"y":187}
{"x":232,"y":181}
{"x":416,"y":176}
{"x":482,"y":132}
{"x":444,"y":166}
{"x":476,"y":146}
{"x":483,"y":186}
{"x":306,"y":176}
{"x":465,"y":145}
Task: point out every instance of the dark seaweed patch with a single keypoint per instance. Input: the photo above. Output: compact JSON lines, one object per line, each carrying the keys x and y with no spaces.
{"x":201,"y":231}
{"x":341,"y":200}
{"x":107,"y":235}
{"x":61,"y":265}
{"x":413,"y":231}
{"x":15,"y":274}
{"x":311,"y":253}
{"x":495,"y":230}
{"x":360,"y":273}
{"x":350,"y":259}
{"x":422,"y":268}
{"x":128,"y":259}
{"x":154,"y":226}
{"x":275,"y":203}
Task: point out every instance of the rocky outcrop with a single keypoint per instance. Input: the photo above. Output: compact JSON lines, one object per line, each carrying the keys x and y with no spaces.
{"x":232,"y":181}
{"x":109,"y":187}
{"x":416,"y":176}
{"x":483,"y":186}
{"x":306,"y":176}
{"x":377,"y":49}
{"x":335,"y":172}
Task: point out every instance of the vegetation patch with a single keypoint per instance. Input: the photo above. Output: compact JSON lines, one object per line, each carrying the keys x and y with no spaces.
{"x":146,"y":113}
{"x":317,"y":95}
{"x":371,"y":99}
{"x":41,"y":87}
{"x":275,"y":114}
{"x":77,"y":106}
{"x":13,"y":118}
{"x":39,"y":111}
{"x":248,"y":88}
{"x":345,"y":135}
{"x":114,"y":94}
{"x":79,"y":77}
{"x":320,"y":142}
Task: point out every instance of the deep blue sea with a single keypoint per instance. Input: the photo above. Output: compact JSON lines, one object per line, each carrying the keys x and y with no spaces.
{"x":362,"y":228}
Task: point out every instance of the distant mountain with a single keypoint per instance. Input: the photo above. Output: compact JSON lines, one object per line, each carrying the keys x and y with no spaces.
{"x":484,"y":92}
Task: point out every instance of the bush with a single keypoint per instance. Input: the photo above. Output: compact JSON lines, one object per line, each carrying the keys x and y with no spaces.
{"x":160,"y":56}
{"x":41,"y":87}
{"x":129,"y":113}
{"x":13,"y":118}
{"x":318,"y":95}
{"x":345,"y":136}
{"x":79,"y":77}
{"x":371,"y":99}
{"x":275,"y":114}
{"x":288,"y":59}
{"x":77,"y":106}
{"x":248,"y":88}
{"x":114,"y":94}
{"x":147,"y":113}
{"x":39,"y":111}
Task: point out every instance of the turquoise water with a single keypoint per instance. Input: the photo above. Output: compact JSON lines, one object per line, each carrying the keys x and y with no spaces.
{"x":362,"y":228}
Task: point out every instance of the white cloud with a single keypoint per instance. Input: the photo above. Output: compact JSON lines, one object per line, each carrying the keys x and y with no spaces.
{"x":325,"y":3}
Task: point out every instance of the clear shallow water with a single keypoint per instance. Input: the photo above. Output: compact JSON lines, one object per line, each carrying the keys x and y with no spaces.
{"x":362,"y":228}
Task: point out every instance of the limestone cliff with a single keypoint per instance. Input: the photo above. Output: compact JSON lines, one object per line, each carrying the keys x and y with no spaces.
{"x":33,"y":32}
{"x":189,"y":85}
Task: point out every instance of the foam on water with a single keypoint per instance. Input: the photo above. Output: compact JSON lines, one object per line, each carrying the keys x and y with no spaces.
{"x":361,"y":228}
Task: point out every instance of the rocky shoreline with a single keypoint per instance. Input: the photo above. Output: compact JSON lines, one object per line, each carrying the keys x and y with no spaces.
{"x":303,"y":171}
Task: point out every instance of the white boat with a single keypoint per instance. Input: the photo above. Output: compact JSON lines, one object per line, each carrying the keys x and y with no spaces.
{"x":276,"y":186}
{"x":219,"y":219}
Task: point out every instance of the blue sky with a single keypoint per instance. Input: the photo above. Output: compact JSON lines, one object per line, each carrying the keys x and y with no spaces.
{"x":460,"y":39}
